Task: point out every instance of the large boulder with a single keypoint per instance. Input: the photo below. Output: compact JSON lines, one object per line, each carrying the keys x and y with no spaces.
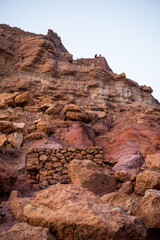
{"x":7,"y":177}
{"x":153,"y":161}
{"x":15,"y":139}
{"x":147,"y":179}
{"x":88,"y":175}
{"x":149,"y":209}
{"x":71,"y":212}
{"x":23,"y":231}
{"x":127,"y":203}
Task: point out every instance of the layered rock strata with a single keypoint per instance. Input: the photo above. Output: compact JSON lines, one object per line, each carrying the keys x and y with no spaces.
{"x":41,"y":64}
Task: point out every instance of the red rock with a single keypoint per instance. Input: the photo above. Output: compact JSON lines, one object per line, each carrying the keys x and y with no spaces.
{"x":88,"y":175}
{"x":3,"y":139}
{"x":147,"y":180}
{"x":16,"y":139}
{"x":71,"y":212}
{"x":149,"y":209}
{"x":17,"y":207}
{"x":45,"y":127}
{"x":77,"y":136}
{"x":14,"y":195}
{"x":54,"y":109}
{"x":129,"y":203}
{"x":7,"y":177}
{"x":23,"y":98}
{"x":35,"y":135}
{"x":23,"y":231}
{"x":6,"y":127}
{"x":153,"y":161}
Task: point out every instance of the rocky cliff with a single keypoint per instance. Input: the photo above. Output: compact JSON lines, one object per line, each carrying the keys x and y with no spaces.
{"x":88,"y":137}
{"x":42,"y":65}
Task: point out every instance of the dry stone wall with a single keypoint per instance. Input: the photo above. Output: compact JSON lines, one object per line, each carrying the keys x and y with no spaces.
{"x":50,"y":166}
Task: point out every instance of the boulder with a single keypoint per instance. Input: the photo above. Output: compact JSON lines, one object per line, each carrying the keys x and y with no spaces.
{"x":7,"y":99}
{"x":127,"y":187}
{"x":153,"y":161}
{"x":88,"y":175}
{"x":127,"y":203}
{"x":15,"y":139}
{"x":23,"y":231}
{"x":17,"y":207}
{"x":45,"y":127}
{"x":75,"y":113}
{"x":23,"y":99}
{"x":147,"y":179}
{"x":7,"y":177}
{"x":3,"y":139}
{"x":72,"y":212}
{"x":149,"y":209}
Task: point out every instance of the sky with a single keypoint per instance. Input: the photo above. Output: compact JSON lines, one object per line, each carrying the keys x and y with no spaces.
{"x":125,"y":32}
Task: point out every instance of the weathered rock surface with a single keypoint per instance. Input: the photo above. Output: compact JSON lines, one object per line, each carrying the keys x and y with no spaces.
{"x":17,"y":207}
{"x":149,"y":209}
{"x":23,"y":99}
{"x":88,"y":175}
{"x":23,"y":231}
{"x":77,"y":135}
{"x":7,"y":177}
{"x":147,"y":179}
{"x":128,"y":166}
{"x":16,"y":139}
{"x":122,"y":200}
{"x":153,"y":161}
{"x":3,"y":139}
{"x":71,"y":212}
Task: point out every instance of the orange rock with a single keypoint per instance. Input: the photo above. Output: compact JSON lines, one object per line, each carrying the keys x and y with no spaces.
{"x":147,"y":180}
{"x":88,"y":175}
{"x":72,"y":212}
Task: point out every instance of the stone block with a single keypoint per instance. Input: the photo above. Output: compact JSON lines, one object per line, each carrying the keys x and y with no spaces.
{"x":57,"y":164}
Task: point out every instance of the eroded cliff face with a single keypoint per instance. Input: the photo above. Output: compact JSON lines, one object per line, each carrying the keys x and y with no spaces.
{"x":42,"y":65}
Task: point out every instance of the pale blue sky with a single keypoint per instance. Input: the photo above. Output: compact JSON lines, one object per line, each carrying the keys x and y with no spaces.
{"x":125,"y":32}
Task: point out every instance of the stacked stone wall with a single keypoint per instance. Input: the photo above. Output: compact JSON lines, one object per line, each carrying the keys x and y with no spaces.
{"x":50,"y":166}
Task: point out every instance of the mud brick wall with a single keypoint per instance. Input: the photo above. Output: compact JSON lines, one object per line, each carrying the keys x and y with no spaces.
{"x":50,"y":166}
